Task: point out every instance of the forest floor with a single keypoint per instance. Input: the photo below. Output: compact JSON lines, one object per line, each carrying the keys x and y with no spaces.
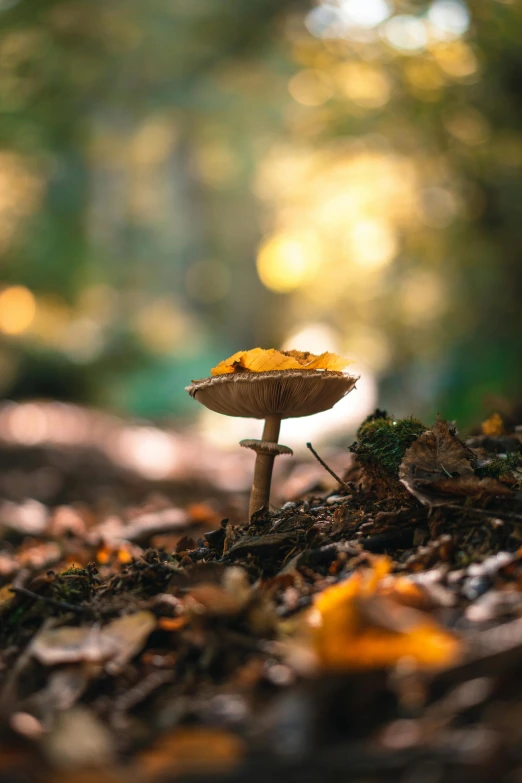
{"x":372,"y":632}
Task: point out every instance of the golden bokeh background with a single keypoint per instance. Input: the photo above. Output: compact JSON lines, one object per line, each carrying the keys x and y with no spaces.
{"x":179,"y":181}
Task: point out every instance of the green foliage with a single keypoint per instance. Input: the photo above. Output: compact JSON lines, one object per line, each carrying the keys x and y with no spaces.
{"x":382,"y":441}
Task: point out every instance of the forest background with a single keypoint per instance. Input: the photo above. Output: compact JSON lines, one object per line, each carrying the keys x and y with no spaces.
{"x":180,"y":179}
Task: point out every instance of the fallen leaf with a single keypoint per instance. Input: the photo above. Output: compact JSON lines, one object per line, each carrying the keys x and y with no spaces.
{"x":261,"y":360}
{"x":360,"y":624}
{"x":436,"y":454}
{"x":69,"y":645}
{"x":115,"y":644}
{"x":127,"y":635}
{"x":493,"y":426}
{"x":468,"y":486}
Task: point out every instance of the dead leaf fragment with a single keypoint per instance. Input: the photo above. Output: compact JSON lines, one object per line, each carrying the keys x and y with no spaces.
{"x":261,"y":360}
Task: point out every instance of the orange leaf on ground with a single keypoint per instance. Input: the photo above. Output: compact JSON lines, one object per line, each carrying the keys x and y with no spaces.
{"x":493,"y":426}
{"x":359,"y":624}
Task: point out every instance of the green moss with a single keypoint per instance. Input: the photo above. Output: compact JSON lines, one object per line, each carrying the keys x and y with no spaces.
{"x":73,"y":585}
{"x":382,"y":441}
{"x":497,"y":467}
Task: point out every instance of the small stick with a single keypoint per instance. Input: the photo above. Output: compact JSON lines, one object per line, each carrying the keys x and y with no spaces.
{"x":51,"y":601}
{"x":342,"y":483}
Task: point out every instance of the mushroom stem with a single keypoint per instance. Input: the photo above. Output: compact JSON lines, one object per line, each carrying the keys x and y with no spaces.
{"x":260,"y":495}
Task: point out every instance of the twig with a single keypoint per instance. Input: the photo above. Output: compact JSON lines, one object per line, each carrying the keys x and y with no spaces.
{"x":51,"y":601}
{"x":326,"y":467}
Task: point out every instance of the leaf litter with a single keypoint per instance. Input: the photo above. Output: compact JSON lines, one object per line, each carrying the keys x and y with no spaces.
{"x":374,"y":632}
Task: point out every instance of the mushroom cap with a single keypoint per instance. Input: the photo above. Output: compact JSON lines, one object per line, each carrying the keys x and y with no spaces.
{"x":284,"y":393}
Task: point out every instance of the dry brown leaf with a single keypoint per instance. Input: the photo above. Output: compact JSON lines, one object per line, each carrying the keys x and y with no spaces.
{"x":116,"y":642}
{"x":127,"y":635}
{"x":69,"y":645}
{"x":468,"y":486}
{"x":261,"y":360}
{"x":436,"y":454}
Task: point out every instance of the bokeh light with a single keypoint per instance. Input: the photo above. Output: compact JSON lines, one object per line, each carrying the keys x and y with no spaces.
{"x":365,"y":13}
{"x":310,"y":87}
{"x":450,"y":18}
{"x":457,"y":60}
{"x":371,"y":243}
{"x":286,"y":262}
{"x":364,"y":84}
{"x":406,"y":33}
{"x":17,"y":310}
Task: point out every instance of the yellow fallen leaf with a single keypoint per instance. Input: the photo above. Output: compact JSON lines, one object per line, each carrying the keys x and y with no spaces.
{"x":493,"y":426}
{"x":268,"y":360}
{"x":359,"y":624}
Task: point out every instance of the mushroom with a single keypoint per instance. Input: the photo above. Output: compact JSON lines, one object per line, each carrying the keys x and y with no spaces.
{"x":272,"y":395}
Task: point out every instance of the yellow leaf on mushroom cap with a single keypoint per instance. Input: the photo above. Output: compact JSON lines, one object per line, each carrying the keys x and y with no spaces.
{"x":361,"y":624}
{"x":268,"y":360}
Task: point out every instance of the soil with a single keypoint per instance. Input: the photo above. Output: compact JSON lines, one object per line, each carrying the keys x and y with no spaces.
{"x":149,"y":632}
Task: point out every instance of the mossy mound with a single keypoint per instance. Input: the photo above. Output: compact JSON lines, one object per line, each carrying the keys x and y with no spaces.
{"x":382,"y":440}
{"x":73,"y":585}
